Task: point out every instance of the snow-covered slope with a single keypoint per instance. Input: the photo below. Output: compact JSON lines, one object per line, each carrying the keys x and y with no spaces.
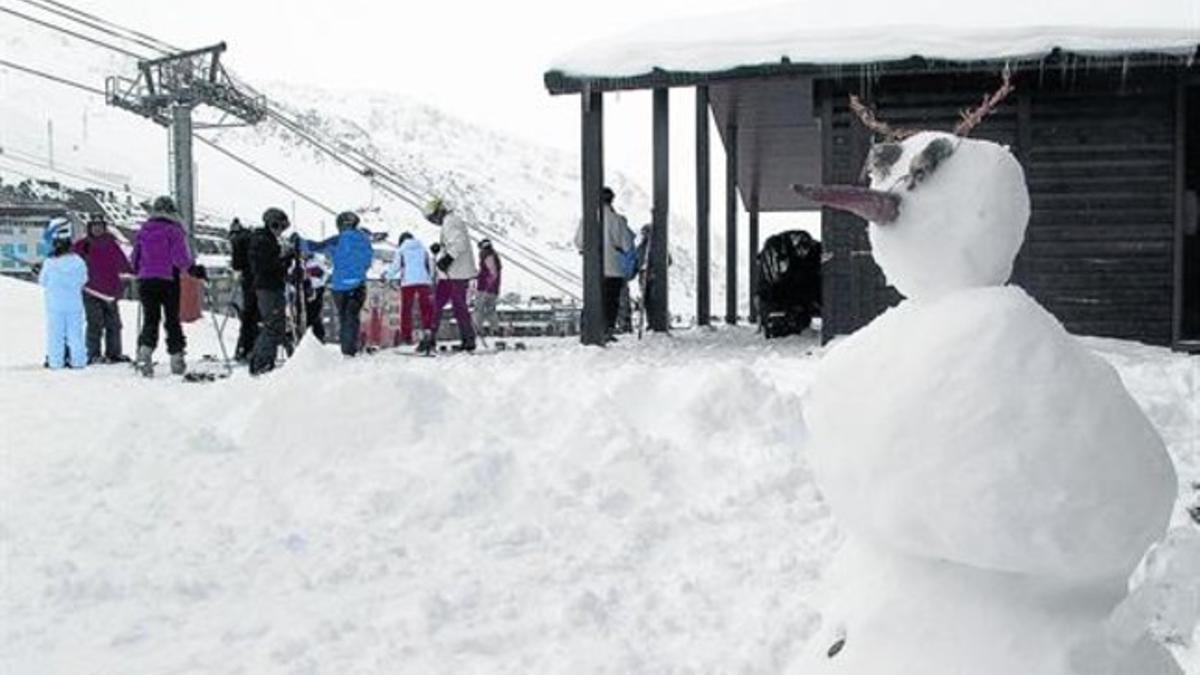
{"x":525,"y":193}
{"x":641,"y":509}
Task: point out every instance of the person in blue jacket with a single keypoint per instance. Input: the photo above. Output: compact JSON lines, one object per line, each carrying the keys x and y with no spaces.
{"x":351,"y":254}
{"x":63,"y":275}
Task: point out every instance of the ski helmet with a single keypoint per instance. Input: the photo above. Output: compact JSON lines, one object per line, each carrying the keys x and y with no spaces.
{"x":275,"y":219}
{"x":57,"y":235}
{"x":485,"y":243}
{"x":347,"y":220}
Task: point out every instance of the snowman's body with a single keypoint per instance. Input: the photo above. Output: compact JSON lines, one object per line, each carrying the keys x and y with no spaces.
{"x":996,"y":481}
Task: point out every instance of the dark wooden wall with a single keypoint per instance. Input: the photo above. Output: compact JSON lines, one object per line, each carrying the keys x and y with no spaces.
{"x":1099,"y":156}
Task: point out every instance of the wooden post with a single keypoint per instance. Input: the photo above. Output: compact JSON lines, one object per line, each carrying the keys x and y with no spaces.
{"x":660,"y":316}
{"x":752,"y":260}
{"x":1180,"y":187}
{"x":593,"y":328}
{"x":731,"y":157}
{"x":703,"y":297}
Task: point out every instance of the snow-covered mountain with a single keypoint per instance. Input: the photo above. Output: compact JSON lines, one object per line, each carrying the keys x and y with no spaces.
{"x":524,"y":196}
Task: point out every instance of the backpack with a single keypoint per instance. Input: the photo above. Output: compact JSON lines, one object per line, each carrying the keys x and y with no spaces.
{"x":628,"y":262}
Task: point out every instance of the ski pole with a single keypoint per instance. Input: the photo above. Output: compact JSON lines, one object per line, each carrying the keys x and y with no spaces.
{"x":212,"y":308}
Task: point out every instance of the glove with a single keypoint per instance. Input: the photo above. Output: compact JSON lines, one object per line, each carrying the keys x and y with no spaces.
{"x":199,"y":272}
{"x":445,"y":262}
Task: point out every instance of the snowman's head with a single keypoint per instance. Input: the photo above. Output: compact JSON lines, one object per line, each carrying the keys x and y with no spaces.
{"x":946,"y":212}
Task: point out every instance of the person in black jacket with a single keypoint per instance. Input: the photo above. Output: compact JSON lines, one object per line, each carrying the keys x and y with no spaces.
{"x":239,"y":241}
{"x":270,"y":259}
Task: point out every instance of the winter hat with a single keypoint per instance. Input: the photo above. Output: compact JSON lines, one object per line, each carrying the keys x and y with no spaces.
{"x":435,"y":205}
{"x":236,"y":225}
{"x":607,"y":195}
{"x":404,"y":236}
{"x":164,"y":207}
{"x":275,"y":219}
{"x":347,"y":220}
{"x":485,"y":243}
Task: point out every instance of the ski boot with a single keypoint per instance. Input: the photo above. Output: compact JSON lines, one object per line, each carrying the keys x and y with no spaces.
{"x":426,"y":346}
{"x":467,"y":345}
{"x":178,"y":364}
{"x":145,"y":363}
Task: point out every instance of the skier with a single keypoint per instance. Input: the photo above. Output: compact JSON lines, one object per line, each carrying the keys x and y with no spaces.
{"x":351,"y":253}
{"x":63,"y":275}
{"x":456,"y":268}
{"x":618,"y":240}
{"x":412,"y":271}
{"x":160,"y":254}
{"x":269,"y":259}
{"x":487,"y":286}
{"x":248,"y":316}
{"x":106,"y":262}
{"x":315,"y":278}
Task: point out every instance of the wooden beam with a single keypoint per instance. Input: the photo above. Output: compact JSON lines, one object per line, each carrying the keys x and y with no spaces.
{"x":660,"y":314}
{"x":731,"y":181}
{"x":752,"y":260}
{"x":703,"y":195}
{"x":593,"y":328}
{"x":829,"y":306}
{"x":1177,"y":276}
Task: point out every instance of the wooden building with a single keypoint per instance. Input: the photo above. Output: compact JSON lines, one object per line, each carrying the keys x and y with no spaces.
{"x":1109,"y":137}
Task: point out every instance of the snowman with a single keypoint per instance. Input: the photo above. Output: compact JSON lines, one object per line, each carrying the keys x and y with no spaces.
{"x":995,"y":481}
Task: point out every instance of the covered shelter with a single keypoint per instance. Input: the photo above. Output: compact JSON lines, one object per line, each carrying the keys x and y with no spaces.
{"x":1105,"y":119}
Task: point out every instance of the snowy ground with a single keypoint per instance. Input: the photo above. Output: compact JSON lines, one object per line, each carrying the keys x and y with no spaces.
{"x":643,"y":509}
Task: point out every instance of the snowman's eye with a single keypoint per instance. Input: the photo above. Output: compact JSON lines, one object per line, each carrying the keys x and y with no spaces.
{"x":928,"y":160}
{"x":880,"y":160}
{"x":836,"y":648}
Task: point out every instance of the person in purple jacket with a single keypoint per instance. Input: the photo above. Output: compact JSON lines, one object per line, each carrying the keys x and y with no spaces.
{"x":160,"y":254}
{"x":487,"y":287}
{"x":106,"y":262}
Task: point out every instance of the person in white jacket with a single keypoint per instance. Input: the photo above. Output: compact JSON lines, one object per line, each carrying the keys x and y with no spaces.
{"x":63,"y":276}
{"x":412,"y":271}
{"x":455,"y":268}
{"x":618,"y":240}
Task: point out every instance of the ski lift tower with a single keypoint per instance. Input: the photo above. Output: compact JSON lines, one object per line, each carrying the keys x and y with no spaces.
{"x":167,"y":90}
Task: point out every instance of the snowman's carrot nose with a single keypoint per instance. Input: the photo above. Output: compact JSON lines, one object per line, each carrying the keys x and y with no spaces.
{"x":878,"y":207}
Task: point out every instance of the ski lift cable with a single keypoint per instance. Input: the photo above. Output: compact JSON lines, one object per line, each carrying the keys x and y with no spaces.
{"x":295,"y":127}
{"x":46,"y":7}
{"x":228,"y":153}
{"x":253,"y":167}
{"x":39,"y":73}
{"x":411,"y":197}
{"x":164,"y":47}
{"x":74,"y":34}
{"x":384,"y":172}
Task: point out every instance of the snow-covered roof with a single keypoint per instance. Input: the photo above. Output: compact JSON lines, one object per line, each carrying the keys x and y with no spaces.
{"x":857,"y":33}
